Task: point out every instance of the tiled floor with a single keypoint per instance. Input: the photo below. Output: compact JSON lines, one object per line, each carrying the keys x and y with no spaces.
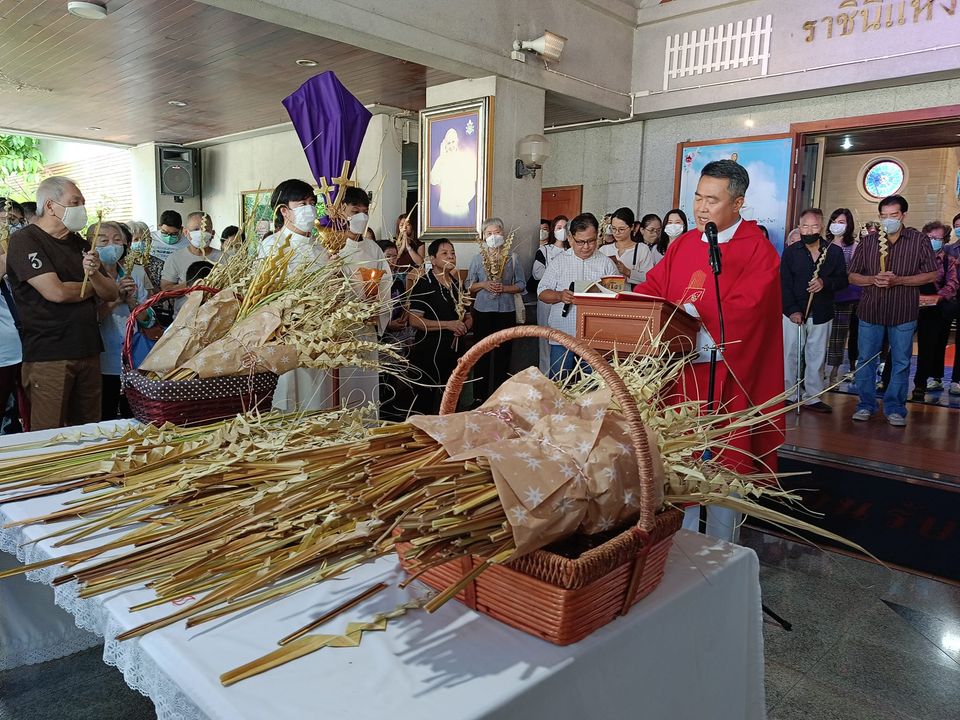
{"x":867,"y":644}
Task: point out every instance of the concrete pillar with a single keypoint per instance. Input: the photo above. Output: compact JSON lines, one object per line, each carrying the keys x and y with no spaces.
{"x":378,"y":171}
{"x":148,"y":203}
{"x":517,"y":111}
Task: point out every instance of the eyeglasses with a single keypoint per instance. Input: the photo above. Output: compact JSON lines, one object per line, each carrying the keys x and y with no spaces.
{"x":582,"y":243}
{"x":619,"y":229}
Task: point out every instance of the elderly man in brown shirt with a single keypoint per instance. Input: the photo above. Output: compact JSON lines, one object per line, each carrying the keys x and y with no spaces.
{"x":890,"y":267}
{"x":46,"y":264}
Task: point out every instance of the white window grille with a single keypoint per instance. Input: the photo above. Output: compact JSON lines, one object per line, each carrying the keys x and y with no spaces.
{"x":721,"y":47}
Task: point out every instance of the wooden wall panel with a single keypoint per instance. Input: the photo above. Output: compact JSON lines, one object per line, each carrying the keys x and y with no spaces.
{"x":928,"y":184}
{"x":119,"y":73}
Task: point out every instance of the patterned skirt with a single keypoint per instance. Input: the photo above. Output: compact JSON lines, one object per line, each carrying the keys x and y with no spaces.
{"x":837,"y":346}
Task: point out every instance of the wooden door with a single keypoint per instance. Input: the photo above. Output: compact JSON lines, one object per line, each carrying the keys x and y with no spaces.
{"x":561,"y":201}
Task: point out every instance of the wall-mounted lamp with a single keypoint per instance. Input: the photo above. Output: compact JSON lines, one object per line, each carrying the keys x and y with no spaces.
{"x":846,"y":145}
{"x":548,"y":46}
{"x":532,"y":152}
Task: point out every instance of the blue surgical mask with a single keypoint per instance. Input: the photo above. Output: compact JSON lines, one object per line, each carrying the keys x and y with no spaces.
{"x":956,"y":233}
{"x":937,"y":244}
{"x":137,"y":246}
{"x":890,"y":225}
{"x":110,"y":254}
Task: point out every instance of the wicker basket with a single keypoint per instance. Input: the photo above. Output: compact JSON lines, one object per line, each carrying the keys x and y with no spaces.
{"x":554,"y":597}
{"x":186,"y":402}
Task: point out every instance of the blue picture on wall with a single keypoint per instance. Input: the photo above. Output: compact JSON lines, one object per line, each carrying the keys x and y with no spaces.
{"x":768,"y":162}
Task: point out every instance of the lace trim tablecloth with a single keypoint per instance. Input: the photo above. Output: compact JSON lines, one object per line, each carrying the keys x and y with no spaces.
{"x":32,"y":629}
{"x":139,"y":670}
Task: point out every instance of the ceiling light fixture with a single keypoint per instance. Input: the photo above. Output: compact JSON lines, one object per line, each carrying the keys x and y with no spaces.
{"x":87,"y":10}
{"x":749,"y":122}
{"x":177,"y":103}
{"x":305,"y":62}
{"x":93,"y":127}
{"x":548,"y":46}
{"x":846,"y":144}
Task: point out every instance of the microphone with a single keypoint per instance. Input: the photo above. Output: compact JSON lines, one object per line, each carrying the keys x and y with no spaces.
{"x":714,"y":246}
{"x":566,"y":306}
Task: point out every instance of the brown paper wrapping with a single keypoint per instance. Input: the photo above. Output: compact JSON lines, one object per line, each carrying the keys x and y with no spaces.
{"x":244,"y":349}
{"x":559,"y":465}
{"x":194,"y":327}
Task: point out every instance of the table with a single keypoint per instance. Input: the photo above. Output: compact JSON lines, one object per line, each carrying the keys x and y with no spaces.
{"x":692,"y":649}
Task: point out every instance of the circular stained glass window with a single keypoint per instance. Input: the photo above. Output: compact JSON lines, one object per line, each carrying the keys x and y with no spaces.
{"x":883,"y":178}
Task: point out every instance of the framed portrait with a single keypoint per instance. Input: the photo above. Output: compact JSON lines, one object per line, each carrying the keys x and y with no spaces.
{"x":256,"y":204}
{"x":767,"y":159}
{"x":455,"y":154}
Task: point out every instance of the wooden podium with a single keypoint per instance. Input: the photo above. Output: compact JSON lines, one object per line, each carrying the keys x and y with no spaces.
{"x":624,"y":326}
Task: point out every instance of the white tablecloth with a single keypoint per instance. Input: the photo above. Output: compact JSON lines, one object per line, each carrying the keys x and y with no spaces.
{"x":692,"y":649}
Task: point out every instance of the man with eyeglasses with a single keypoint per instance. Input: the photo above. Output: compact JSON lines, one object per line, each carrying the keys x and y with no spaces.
{"x":581,"y":265}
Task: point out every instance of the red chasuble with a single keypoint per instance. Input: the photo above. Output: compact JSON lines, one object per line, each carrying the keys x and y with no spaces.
{"x":751,"y":371}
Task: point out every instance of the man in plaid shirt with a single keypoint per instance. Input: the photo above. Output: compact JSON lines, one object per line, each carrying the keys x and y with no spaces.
{"x":581,"y":264}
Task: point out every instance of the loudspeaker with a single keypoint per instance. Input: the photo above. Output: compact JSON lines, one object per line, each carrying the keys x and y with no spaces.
{"x":178,"y":170}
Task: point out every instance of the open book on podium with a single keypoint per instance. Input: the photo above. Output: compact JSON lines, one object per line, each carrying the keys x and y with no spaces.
{"x":610,"y":319}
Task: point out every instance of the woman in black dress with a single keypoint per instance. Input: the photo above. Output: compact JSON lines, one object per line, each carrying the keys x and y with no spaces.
{"x":433,"y":314}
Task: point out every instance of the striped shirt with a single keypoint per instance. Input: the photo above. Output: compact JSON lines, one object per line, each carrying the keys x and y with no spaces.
{"x":911,"y":254}
{"x":565,"y":269}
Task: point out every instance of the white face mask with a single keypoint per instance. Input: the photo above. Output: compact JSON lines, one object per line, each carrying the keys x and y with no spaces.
{"x":544,"y":234}
{"x":890,"y":225}
{"x":838,"y":229}
{"x":561,"y":234}
{"x":358,"y":223}
{"x":200,"y":239}
{"x":74,"y":217}
{"x":673,"y":229}
{"x":494,"y":241}
{"x":304,"y":217}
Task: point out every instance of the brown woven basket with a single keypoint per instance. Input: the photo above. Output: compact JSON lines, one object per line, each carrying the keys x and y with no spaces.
{"x":186,"y":402}
{"x":557,"y":598}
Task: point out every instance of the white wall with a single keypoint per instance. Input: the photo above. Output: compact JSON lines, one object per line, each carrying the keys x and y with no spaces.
{"x":232,"y":167}
{"x":378,"y":171}
{"x":267,"y":160}
{"x":810,"y":53}
{"x":633,"y":164}
{"x":605,"y":160}
{"x":66,"y":151}
{"x":661,"y":135}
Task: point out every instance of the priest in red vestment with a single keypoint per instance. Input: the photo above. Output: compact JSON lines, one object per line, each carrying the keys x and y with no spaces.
{"x":750,"y":365}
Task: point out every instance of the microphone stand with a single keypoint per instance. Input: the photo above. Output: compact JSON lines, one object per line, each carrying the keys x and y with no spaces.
{"x":716,"y":265}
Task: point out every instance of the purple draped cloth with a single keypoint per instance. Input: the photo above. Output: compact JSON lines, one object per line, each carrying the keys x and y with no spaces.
{"x":330,"y":123}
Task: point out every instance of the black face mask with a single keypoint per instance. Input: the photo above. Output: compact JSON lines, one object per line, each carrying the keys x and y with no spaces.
{"x":810,"y":239}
